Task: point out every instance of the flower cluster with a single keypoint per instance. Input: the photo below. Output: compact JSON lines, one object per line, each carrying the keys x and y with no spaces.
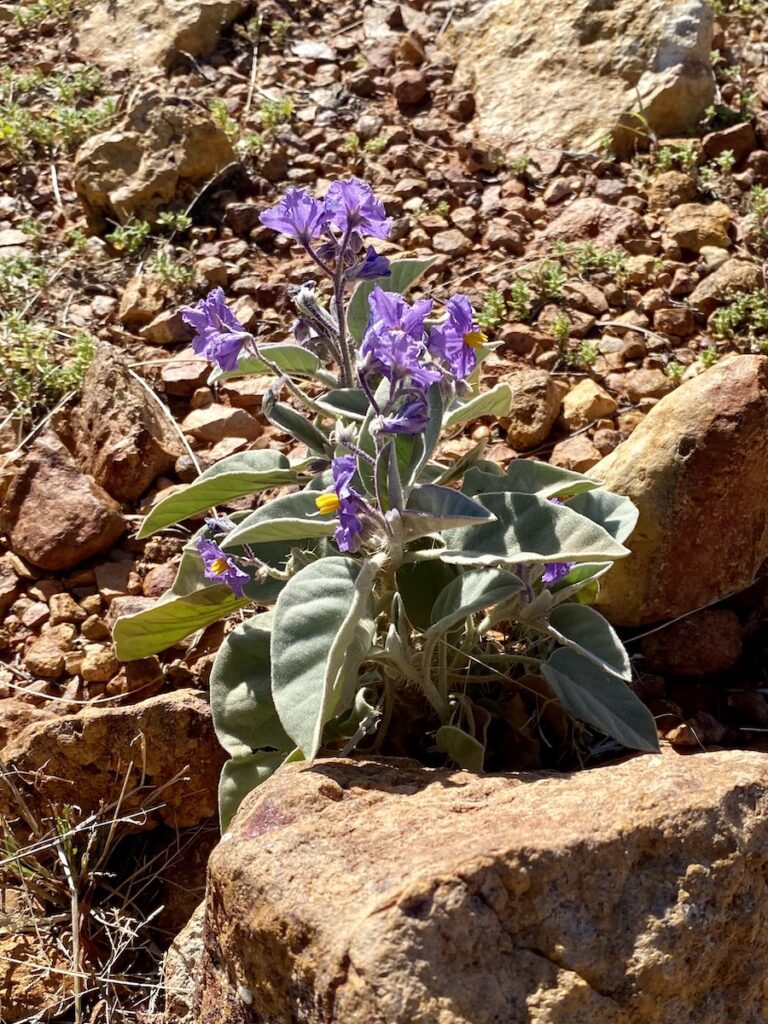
{"x":349,"y":213}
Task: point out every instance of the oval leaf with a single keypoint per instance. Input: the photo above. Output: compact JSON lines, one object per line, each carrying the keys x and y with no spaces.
{"x":290,"y":517}
{"x":582,"y":627}
{"x":615,"y":513}
{"x":526,"y":476}
{"x":601,"y":700}
{"x":465,"y":750}
{"x":471,"y":592}
{"x":244,"y":715}
{"x":233,"y":477}
{"x":291,"y":359}
{"x":529,"y":529}
{"x":315,"y":618}
{"x":497,"y":401}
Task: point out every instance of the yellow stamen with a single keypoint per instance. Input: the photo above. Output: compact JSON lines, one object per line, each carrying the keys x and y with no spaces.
{"x":219,"y":566}
{"x":475,"y":339}
{"x":328,"y":503}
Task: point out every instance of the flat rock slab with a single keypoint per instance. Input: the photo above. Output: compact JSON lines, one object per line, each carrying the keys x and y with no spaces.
{"x":557,"y":74}
{"x":378,"y":893}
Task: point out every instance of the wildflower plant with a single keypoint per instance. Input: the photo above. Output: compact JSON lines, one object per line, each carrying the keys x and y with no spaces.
{"x":398,"y":599}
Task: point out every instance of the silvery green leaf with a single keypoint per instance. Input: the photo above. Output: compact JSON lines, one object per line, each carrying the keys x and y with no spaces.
{"x":233,"y":477}
{"x":431,"y":436}
{"x":465,"y":750}
{"x":600,"y":699}
{"x":389,"y":489}
{"x":585,"y":629}
{"x":241,"y":775}
{"x":244,"y":715}
{"x":345,"y":403}
{"x":357,"y":651}
{"x":191,"y":577}
{"x":291,"y":359}
{"x":496,"y":401}
{"x":316,"y":617}
{"x":171,"y":619}
{"x":404,"y":274}
{"x":290,"y":517}
{"x":431,"y":508}
{"x":419,"y":584}
{"x":529,"y":529}
{"x":298,"y":426}
{"x":528,"y":477}
{"x":615,"y":513}
{"x":471,"y":592}
{"x":457,"y":469}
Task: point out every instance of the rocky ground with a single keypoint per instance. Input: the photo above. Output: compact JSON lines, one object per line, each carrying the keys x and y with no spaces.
{"x":133,"y":177}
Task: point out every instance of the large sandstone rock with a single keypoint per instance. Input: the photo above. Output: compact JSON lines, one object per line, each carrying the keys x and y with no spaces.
{"x":165,"y":145}
{"x":55,"y":515}
{"x":534,"y":410}
{"x":591,"y":220}
{"x":564,"y":73}
{"x":732,"y":276}
{"x":164,"y":747}
{"x":363,"y":893}
{"x":123,"y":439}
{"x":149,"y":34}
{"x":181,"y":970}
{"x":696,"y":469}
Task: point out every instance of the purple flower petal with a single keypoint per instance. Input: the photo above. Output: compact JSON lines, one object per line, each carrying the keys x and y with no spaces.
{"x":556,"y":571}
{"x":219,"y":335}
{"x":456,"y":340}
{"x":220,"y":567}
{"x":298,"y":215}
{"x":352,"y":206}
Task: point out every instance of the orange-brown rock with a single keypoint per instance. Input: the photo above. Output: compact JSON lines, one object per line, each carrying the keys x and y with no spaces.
{"x":696,"y":469}
{"x":56,"y":516}
{"x":165,"y":747}
{"x":375,"y":893}
{"x":699,"y":645}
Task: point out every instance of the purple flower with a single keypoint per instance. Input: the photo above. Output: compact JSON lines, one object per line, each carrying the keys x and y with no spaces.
{"x":220,"y":567}
{"x":298,"y":215}
{"x":411,"y":418}
{"x":555,"y":571}
{"x":219,"y":335}
{"x":219,"y":524}
{"x":393,"y":343}
{"x":350,"y":504}
{"x":373,"y":266}
{"x":352,"y":206}
{"x":455,"y":340}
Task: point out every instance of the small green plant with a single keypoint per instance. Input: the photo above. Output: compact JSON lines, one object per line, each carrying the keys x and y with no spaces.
{"x":375,"y":145}
{"x":550,"y":278}
{"x":34,"y":229}
{"x":442,"y":209}
{"x":588,"y":259}
{"x":586,"y":354}
{"x":561,"y":329}
{"x":275,"y":112}
{"x":175,"y":270}
{"x":177,"y":220}
{"x":20,"y":276}
{"x":744,"y":320}
{"x":675,"y":371}
{"x":519,"y":165}
{"x":708,"y":357}
{"x":278,"y":31}
{"x":77,"y":240}
{"x":129,"y":238}
{"x":352,"y":143}
{"x":223,"y":119}
{"x":33,"y":374}
{"x":682,"y":156}
{"x":493,"y":310}
{"x":726,"y":161}
{"x":520,"y":300}
{"x":28,"y":14}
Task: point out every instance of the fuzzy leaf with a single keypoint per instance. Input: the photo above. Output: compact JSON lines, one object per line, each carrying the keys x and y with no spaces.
{"x":615,"y":513}
{"x":241,"y":775}
{"x":346,"y":403}
{"x":431,"y":508}
{"x":171,"y":619}
{"x":528,"y":477}
{"x":404,"y":274}
{"x":233,"y":477}
{"x":298,"y":426}
{"x":291,"y":359}
{"x":290,"y":517}
{"x":315,"y":619}
{"x":472,"y":592}
{"x":530,"y":530}
{"x":465,"y":750}
{"x":244,"y":715}
{"x":494,"y":402}
{"x":601,"y":700}
{"x":590,"y":634}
